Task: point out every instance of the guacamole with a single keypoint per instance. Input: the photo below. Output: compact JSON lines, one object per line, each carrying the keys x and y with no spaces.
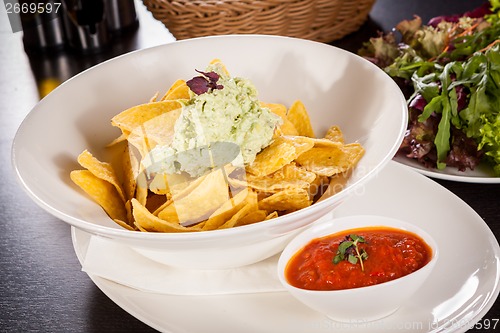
{"x":225,"y":124}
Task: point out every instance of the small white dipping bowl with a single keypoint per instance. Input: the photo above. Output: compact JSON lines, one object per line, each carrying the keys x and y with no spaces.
{"x":362,"y":304}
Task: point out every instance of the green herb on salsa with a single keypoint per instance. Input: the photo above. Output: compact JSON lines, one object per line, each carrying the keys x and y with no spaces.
{"x":348,"y":250}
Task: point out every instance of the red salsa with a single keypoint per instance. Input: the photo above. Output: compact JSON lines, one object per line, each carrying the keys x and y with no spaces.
{"x":392,"y":253}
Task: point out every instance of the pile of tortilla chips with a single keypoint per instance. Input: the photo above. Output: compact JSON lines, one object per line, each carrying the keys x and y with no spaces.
{"x":292,"y":172}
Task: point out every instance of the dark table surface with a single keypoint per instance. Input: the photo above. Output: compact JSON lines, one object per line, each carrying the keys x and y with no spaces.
{"x":42,"y":287}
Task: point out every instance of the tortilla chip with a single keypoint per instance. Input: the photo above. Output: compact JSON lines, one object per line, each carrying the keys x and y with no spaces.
{"x":329,"y":161}
{"x":154,"y":98}
{"x":335,"y":134}
{"x":221,"y":66}
{"x":236,"y":217}
{"x":179,"y":186}
{"x":101,"y":170}
{"x":286,"y":128}
{"x":123,"y":137}
{"x":130,"y":166}
{"x":159,"y":184}
{"x":290,"y":176}
{"x":200,"y":203}
{"x":124,"y":225}
{"x":135,"y":116}
{"x":158,"y":130}
{"x":287,"y":200}
{"x":317,"y":187}
{"x":272,"y":215}
{"x":337,"y":183}
{"x":293,"y":171}
{"x":270,"y":185}
{"x":140,"y":228}
{"x":102,"y":192}
{"x":141,"y":189}
{"x":149,"y":222}
{"x":298,"y":116}
{"x":252,"y":217}
{"x":279,"y":153}
{"x":229,"y":209}
{"x":326,"y":143}
{"x":179,"y":90}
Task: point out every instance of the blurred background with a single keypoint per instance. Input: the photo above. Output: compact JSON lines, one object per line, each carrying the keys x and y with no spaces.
{"x":77,"y":34}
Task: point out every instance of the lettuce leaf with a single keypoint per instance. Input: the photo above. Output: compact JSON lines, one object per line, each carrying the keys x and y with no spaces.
{"x":451,"y":71}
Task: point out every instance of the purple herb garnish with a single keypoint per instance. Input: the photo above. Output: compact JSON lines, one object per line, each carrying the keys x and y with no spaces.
{"x":202,"y":84}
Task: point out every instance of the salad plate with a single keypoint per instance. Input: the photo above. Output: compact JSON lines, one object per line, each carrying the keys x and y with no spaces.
{"x":462,"y":288}
{"x":482,"y":174}
{"x":450,"y":79}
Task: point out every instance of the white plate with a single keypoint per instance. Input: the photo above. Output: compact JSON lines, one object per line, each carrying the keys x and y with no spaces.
{"x":462,"y":288}
{"x":482,"y":174}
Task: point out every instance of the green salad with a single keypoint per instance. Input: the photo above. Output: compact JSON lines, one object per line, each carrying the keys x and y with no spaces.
{"x":449,"y":70}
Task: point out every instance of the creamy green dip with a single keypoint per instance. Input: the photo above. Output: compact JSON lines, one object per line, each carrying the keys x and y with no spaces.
{"x":215,"y":128}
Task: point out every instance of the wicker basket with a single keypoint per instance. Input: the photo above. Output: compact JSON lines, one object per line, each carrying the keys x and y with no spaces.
{"x":319,"y":20}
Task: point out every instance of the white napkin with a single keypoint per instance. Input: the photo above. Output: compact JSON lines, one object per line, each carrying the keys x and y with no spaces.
{"x":121,"y":264}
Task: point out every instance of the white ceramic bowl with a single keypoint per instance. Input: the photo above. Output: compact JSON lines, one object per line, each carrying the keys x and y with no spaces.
{"x":362,"y":304}
{"x":336,"y":86}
